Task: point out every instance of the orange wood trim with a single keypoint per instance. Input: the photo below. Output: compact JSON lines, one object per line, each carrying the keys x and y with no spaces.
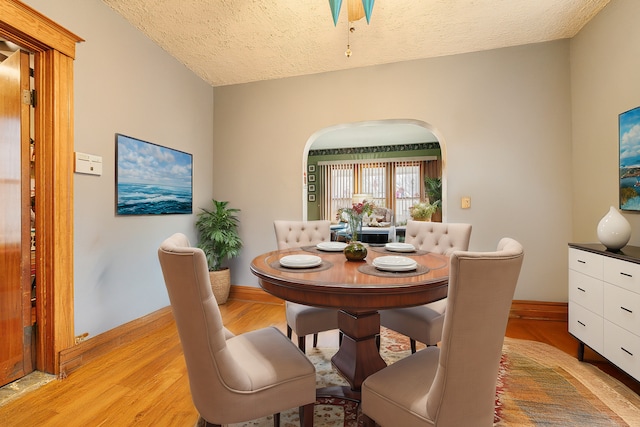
{"x":85,"y":351}
{"x":35,"y":30}
{"x":249,"y":293}
{"x":539,"y":310}
{"x":54,"y":49}
{"x":521,"y":309}
{"x":54,"y":211}
{"x":92,"y":348}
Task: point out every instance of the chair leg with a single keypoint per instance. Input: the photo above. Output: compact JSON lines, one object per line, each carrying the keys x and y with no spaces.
{"x":306,"y":415}
{"x":378,"y":342}
{"x":412,"y":342}
{"x":340,"y":338}
{"x":289,"y":331}
{"x":276,"y":420}
{"x":302,"y":343}
{"x":315,"y":340}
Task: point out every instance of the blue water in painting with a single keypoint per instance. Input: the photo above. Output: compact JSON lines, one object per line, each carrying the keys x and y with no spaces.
{"x":633,"y":203}
{"x":148,"y":199}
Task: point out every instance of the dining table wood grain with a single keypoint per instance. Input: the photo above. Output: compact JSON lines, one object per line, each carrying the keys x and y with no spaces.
{"x":358,"y":291}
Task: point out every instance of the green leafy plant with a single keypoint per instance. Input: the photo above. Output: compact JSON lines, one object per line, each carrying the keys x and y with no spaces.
{"x":218,"y":232}
{"x":422,"y":211}
{"x":433,"y":188}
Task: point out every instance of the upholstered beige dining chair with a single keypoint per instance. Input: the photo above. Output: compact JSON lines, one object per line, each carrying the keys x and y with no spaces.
{"x":232,"y":378}
{"x":424,"y":323}
{"x":455,"y":384}
{"x":303,"y":319}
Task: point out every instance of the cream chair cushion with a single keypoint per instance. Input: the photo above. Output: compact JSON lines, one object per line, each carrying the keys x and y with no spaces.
{"x":454,"y":385}
{"x":232,"y":378}
{"x":438,"y":237}
{"x":302,"y":319}
{"x":424,"y":323}
{"x":295,"y":234}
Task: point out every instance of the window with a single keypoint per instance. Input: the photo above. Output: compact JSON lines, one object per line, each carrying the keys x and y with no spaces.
{"x":395,"y":184}
{"x":408,"y":188}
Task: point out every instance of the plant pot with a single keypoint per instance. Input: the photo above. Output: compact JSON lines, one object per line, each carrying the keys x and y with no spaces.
{"x":220,"y":284}
{"x":355,"y":251}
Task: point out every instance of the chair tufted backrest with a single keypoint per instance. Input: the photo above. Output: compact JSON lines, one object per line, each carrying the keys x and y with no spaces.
{"x":481,"y":288}
{"x":438,"y":237}
{"x":295,"y":234}
{"x":211,"y":368}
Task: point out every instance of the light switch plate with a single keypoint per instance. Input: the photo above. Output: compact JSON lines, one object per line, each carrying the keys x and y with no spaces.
{"x":88,"y":164}
{"x":466,"y":202}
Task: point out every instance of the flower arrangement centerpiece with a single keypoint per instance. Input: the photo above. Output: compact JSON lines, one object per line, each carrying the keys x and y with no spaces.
{"x":422,"y":211}
{"x":354,"y":215}
{"x":355,"y":250}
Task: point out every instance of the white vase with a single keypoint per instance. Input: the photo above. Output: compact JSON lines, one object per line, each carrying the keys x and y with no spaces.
{"x":614,"y":231}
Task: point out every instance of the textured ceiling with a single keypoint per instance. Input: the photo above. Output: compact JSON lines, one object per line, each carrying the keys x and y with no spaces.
{"x":238,"y":41}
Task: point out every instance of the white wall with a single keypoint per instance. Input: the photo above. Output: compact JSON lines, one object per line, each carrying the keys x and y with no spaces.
{"x":503,"y":119}
{"x":125,"y":83}
{"x":605,"y":59}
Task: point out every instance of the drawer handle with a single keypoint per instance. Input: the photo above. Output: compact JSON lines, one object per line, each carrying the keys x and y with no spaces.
{"x":626,"y":309}
{"x":580,"y":289}
{"x":626,"y":351}
{"x":581,"y":323}
{"x":582,"y":262}
{"x":626,"y":274}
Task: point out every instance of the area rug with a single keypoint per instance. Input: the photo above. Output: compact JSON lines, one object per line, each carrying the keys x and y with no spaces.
{"x":538,"y":385}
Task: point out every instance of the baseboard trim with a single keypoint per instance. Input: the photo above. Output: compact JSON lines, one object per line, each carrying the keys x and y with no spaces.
{"x":249,"y":293}
{"x":92,"y":348}
{"x":539,"y":310}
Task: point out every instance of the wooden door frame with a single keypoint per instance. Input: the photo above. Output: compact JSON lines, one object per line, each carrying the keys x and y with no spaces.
{"x":54,"y":51}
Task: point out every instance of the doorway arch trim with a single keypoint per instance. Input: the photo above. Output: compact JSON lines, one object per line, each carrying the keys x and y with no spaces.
{"x":323,"y":131}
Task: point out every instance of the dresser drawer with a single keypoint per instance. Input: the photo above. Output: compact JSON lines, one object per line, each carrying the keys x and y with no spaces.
{"x":586,"y":326}
{"x":622,"y":349}
{"x":622,"y":307}
{"x":586,"y":291}
{"x":622,"y":273}
{"x":586,"y":262}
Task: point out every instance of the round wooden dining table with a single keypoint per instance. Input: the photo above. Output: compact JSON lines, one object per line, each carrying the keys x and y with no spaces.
{"x":359,"y":290}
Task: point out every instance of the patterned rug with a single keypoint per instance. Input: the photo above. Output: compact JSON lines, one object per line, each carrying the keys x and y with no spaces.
{"x":538,"y":385}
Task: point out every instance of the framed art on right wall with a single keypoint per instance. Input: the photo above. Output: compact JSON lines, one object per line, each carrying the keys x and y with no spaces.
{"x":629,"y":134}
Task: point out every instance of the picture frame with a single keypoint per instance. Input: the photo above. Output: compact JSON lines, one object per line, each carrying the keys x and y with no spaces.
{"x":311,"y":197}
{"x":311,"y":178}
{"x":311,"y":168}
{"x":311,"y":188}
{"x":152,"y":179}
{"x":629,"y":144}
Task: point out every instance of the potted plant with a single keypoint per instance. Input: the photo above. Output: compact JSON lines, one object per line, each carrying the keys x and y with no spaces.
{"x":433,"y":188}
{"x":219,"y":239}
{"x":422,"y":211}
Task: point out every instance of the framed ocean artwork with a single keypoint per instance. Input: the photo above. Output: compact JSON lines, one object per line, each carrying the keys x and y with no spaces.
{"x":152,"y":179}
{"x":629,"y":131}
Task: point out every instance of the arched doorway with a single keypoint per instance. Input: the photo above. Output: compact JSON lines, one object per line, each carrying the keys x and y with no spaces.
{"x":397,"y":154}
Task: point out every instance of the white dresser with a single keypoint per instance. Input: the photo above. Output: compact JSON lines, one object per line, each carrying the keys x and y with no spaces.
{"x":604,"y":303}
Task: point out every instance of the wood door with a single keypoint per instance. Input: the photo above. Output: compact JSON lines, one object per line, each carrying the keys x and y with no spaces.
{"x":15,"y":224}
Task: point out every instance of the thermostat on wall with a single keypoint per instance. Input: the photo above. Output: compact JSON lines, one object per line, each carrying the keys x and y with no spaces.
{"x":89,"y":164}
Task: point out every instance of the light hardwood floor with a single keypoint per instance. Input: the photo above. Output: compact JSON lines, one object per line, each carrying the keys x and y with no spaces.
{"x":145,"y":383}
